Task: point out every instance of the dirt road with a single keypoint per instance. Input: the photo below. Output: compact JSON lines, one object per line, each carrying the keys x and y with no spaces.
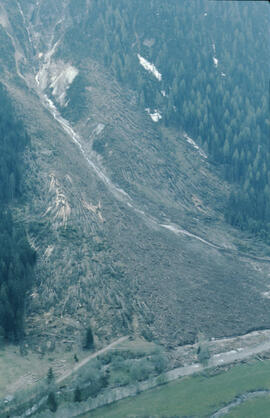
{"x":90,"y":357}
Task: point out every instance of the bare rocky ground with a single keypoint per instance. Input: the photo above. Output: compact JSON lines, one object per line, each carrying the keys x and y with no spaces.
{"x":225,"y":350}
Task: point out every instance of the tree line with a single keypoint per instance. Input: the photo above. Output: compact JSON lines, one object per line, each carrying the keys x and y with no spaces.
{"x":17,"y":258}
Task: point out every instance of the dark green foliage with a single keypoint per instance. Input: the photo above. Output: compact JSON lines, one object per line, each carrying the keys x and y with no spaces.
{"x":77,"y":395}
{"x":13,"y":140}
{"x":52,"y":403}
{"x":89,"y":339}
{"x":141,"y":370}
{"x":203,"y":354}
{"x":224,"y":107}
{"x":160,"y":362}
{"x":50,"y":376}
{"x":6,"y":51}
{"x":16,"y":256}
{"x":92,"y":379}
{"x":16,"y":261}
{"x":76,"y":105}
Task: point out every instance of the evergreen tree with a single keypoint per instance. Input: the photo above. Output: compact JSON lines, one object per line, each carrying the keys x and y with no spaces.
{"x":89,"y":339}
{"x":50,"y":376}
{"x":77,"y":395}
{"x":52,"y":403}
{"x":16,"y":256}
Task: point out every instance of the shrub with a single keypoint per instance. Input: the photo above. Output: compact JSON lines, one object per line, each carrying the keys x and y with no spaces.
{"x":141,"y":370}
{"x":203,"y":354}
{"x":160,"y":362}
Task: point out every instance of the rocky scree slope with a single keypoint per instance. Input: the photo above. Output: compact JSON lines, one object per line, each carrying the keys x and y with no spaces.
{"x":125,"y":215}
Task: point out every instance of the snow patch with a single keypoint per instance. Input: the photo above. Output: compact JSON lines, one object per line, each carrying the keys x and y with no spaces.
{"x":58,"y":76}
{"x":149,"y":67}
{"x":62,"y":76}
{"x":4,"y":19}
{"x":163,"y":92}
{"x":214,"y":57}
{"x":156,"y":116}
{"x":195,"y":146}
{"x":215,"y":61}
{"x":223,"y":75}
{"x":43,"y":73}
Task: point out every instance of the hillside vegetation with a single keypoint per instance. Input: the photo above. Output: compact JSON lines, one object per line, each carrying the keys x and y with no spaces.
{"x":214,"y":86}
{"x":16,"y":256}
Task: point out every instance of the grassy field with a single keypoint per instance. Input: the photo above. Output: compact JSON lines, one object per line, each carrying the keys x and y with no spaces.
{"x":19,"y":372}
{"x":259,"y":408}
{"x":197,"y":396}
{"x":137,"y":346}
{"x":23,"y":375}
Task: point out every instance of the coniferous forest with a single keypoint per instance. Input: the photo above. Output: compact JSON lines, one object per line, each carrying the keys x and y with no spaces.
{"x":16,"y":256}
{"x":214,"y":82}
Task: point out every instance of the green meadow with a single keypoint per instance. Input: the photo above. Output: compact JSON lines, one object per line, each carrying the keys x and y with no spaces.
{"x":198,"y":396}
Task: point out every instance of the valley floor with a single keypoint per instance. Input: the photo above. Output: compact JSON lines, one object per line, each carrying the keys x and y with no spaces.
{"x":225,"y":384}
{"x":201,"y":396}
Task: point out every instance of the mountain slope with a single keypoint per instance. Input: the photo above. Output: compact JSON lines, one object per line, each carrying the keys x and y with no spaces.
{"x":126,"y":215}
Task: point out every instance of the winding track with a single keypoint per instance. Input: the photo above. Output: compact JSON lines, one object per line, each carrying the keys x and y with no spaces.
{"x":91,"y":357}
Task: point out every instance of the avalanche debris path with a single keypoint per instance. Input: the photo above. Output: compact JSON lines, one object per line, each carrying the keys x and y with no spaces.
{"x":117,"y":192}
{"x":121,"y":195}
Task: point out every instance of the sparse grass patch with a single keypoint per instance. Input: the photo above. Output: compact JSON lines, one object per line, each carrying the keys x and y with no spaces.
{"x":139,"y":346}
{"x":20,"y":372}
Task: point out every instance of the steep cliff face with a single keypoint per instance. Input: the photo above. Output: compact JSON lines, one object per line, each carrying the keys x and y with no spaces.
{"x":125,"y":214}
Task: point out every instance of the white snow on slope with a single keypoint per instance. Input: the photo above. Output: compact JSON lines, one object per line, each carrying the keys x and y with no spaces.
{"x":179,"y":231}
{"x":61,"y":79}
{"x":150,"y":67}
{"x":195,"y":146}
{"x":56,"y":75}
{"x":156,"y":116}
{"x":214,"y":57}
